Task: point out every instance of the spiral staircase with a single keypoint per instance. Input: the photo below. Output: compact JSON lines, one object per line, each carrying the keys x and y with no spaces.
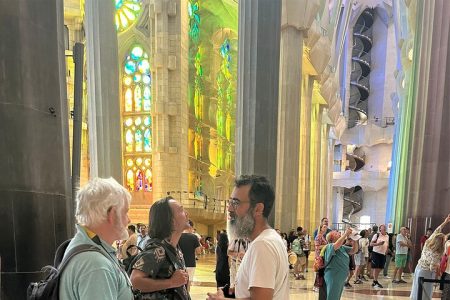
{"x":356,"y":160}
{"x":353,"y":200}
{"x":361,"y":66}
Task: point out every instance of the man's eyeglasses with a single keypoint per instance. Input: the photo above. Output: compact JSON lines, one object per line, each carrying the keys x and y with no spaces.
{"x":235,"y":202}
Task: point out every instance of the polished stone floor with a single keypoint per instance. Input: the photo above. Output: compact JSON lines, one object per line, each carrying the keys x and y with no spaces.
{"x":204,"y":281}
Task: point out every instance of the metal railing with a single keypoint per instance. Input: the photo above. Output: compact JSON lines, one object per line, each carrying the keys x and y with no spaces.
{"x":360,"y":226}
{"x":423,"y":280}
{"x":209,"y":204}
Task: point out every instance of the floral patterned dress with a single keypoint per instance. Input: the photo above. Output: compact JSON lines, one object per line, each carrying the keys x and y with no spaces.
{"x":157,"y":264}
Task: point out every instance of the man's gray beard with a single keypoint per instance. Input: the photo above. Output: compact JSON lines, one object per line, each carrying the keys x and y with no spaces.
{"x":241,"y":227}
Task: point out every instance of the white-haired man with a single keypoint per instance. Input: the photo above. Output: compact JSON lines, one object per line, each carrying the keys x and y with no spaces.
{"x":102,"y":216}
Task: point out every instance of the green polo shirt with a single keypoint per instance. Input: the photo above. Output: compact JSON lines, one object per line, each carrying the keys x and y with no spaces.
{"x":92,"y":275}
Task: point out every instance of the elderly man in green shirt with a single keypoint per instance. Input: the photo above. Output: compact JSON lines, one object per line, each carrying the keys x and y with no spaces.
{"x":102,"y":216}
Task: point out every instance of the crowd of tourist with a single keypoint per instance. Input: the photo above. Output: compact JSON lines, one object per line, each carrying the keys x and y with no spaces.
{"x":253,"y":260}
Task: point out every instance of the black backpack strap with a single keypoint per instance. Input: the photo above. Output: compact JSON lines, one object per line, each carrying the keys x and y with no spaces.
{"x":77,"y":250}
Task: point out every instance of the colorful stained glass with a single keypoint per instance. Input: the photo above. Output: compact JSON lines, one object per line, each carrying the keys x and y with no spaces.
{"x":130,"y":180}
{"x":147,"y":105}
{"x":147,"y":140}
{"x":147,"y":162}
{"x":129,"y":162}
{"x":138,"y":140}
{"x":129,"y":141}
{"x":228,"y":127}
{"x":127,"y":12}
{"x":127,"y":80}
{"x":139,"y":180}
{"x":194,"y":20}
{"x":225,"y":96}
{"x":137,"y":99}
{"x":146,"y":79}
{"x":137,"y":53}
{"x":128,"y":100}
{"x":137,"y":121}
{"x":149,"y":180}
{"x":144,"y":66}
{"x":130,"y":67}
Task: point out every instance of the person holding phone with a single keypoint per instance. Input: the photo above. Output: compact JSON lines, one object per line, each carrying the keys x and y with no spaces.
{"x":380,"y":243}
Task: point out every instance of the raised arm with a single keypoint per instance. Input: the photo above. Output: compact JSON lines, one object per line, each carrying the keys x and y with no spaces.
{"x":439,"y":228}
{"x":342,"y":239}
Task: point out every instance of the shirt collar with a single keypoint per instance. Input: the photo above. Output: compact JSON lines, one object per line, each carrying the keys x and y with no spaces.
{"x":90,"y":234}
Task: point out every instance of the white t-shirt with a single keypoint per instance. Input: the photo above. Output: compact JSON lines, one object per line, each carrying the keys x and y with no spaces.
{"x":364,"y":246}
{"x":265,"y":265}
{"x":399,"y":249}
{"x":382,"y":249}
{"x":307,"y":243}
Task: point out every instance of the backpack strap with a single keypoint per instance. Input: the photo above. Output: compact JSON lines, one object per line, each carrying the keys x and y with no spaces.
{"x":77,"y":250}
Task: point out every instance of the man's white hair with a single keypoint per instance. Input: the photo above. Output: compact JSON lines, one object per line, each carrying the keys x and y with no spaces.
{"x":97,"y":197}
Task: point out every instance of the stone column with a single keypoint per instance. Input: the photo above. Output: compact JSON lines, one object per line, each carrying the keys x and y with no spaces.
{"x":169,"y":26}
{"x":315,"y":152}
{"x":291,"y":53}
{"x":36,"y":209}
{"x":296,"y":18}
{"x":105,"y":146}
{"x":330,"y":203}
{"x":427,"y":189}
{"x":303,"y":217}
{"x":324,"y":164}
{"x":257,"y":104}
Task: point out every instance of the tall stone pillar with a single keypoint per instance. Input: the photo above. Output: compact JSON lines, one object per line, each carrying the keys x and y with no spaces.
{"x":324,"y":182}
{"x":295,"y":21}
{"x":105,"y":147}
{"x":330,"y":204}
{"x":35,"y":193}
{"x":315,"y":152}
{"x":427,"y":191}
{"x":303,"y":208}
{"x":257,"y":104}
{"x":169,"y":36}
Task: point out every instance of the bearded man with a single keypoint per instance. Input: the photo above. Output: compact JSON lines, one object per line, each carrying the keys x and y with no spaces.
{"x":264,"y":270}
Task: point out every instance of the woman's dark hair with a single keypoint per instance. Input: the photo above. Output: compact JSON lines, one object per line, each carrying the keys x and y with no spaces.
{"x":223,"y":241}
{"x":160,"y":219}
{"x":363,"y":233}
{"x":260,"y":191}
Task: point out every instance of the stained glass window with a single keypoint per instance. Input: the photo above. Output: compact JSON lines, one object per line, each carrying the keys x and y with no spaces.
{"x":137,"y":121}
{"x":127,"y":12}
{"x":224,"y":92}
{"x":194,"y":20}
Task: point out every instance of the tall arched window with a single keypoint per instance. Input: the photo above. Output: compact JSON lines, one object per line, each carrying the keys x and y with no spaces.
{"x":137,"y":121}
